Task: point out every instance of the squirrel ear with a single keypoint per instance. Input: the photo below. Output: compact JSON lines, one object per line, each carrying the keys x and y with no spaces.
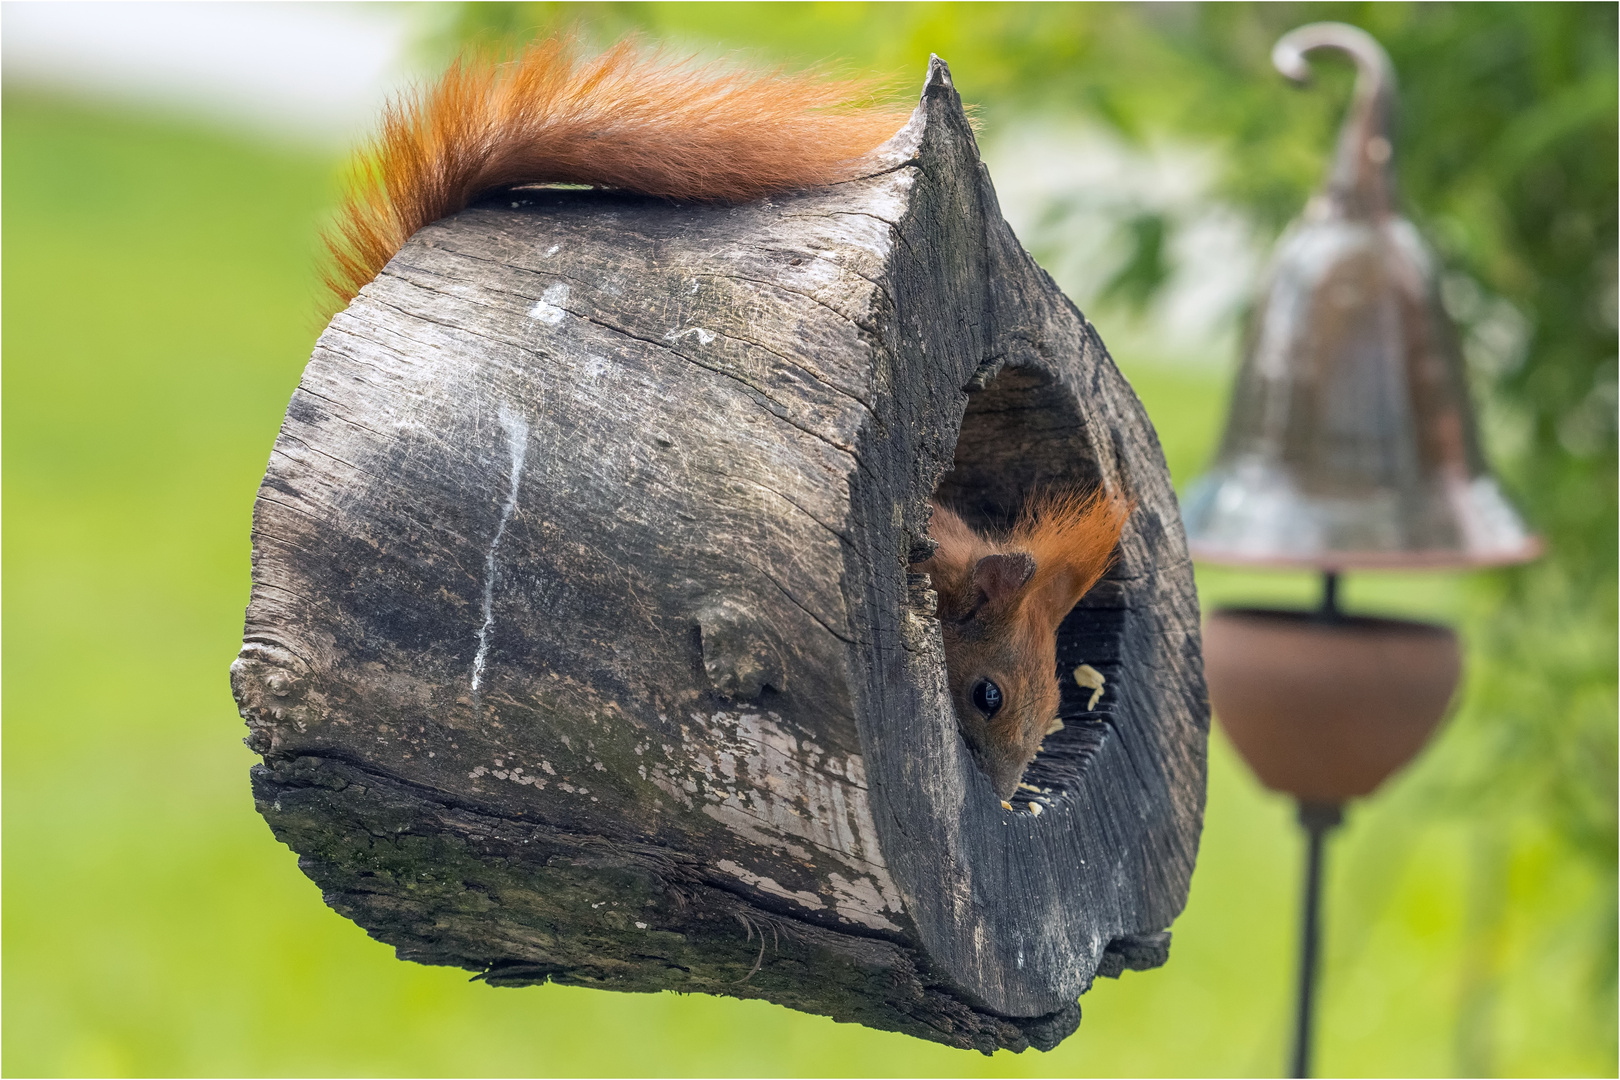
{"x":1000,"y":577}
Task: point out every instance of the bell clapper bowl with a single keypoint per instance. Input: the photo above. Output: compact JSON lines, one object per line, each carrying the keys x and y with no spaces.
{"x":1326,"y":707}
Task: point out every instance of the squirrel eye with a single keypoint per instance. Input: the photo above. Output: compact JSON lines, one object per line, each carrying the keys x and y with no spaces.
{"x":987,"y":696}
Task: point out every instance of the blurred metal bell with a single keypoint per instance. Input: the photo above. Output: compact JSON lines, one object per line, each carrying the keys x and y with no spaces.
{"x":1350,"y":441}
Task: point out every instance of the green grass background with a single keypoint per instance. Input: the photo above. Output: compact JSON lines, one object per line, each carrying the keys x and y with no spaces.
{"x":160,"y":302}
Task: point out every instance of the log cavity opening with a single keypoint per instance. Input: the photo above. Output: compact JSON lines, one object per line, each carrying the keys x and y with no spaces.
{"x":1021,"y":434}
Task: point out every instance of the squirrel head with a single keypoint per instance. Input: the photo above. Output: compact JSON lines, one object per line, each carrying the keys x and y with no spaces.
{"x":1002,"y":672}
{"x":1000,"y":605}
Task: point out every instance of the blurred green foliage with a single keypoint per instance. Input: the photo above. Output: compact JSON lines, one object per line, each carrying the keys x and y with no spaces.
{"x":160,"y":296}
{"x":1145,"y":272}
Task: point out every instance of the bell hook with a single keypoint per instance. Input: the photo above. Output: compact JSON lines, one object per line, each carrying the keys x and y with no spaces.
{"x":1360,"y":174}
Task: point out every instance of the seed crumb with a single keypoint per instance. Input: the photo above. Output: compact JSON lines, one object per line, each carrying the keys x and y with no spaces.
{"x":1089,"y":677}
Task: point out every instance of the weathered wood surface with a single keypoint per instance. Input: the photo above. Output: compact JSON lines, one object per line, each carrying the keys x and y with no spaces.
{"x":583,"y":644}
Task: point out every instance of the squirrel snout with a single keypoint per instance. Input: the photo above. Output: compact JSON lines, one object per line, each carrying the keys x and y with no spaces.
{"x":1003,"y":764}
{"x":1003,"y":751}
{"x":999,"y":766}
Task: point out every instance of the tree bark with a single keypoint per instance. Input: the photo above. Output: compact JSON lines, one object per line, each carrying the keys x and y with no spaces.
{"x":584,"y":643}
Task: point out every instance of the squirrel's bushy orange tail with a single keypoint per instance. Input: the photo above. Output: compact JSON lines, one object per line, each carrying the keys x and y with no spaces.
{"x":1073,"y":538}
{"x":631,"y":117}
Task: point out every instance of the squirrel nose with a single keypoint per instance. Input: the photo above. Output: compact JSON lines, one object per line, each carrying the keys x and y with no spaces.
{"x":1009,"y":769}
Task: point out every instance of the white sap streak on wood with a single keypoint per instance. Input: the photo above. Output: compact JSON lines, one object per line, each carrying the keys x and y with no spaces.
{"x":517,"y":445}
{"x":704,"y":336}
{"x":549,"y":308}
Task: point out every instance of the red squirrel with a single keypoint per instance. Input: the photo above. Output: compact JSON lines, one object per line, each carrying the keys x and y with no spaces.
{"x":1000,"y":603}
{"x":635,"y":119}
{"x":631,"y":118}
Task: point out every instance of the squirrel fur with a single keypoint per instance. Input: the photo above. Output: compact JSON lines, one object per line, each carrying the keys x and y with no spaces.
{"x":631,"y":118}
{"x":1000,"y":603}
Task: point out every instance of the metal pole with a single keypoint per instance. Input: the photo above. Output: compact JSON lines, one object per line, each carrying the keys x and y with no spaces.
{"x":1330,"y":595}
{"x":1317,"y":819}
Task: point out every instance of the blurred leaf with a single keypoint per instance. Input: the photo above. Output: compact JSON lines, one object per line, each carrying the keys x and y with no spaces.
{"x":1146,"y":268}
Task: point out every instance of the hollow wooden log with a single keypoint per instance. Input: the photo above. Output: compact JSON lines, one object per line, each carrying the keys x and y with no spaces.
{"x":585,"y":644}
